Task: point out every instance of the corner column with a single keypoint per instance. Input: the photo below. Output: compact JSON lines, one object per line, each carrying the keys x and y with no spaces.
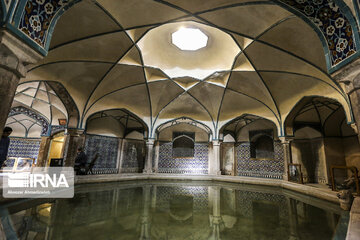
{"x":74,"y":138}
{"x":43,"y":151}
{"x":214,"y":161}
{"x":348,"y":78}
{"x":287,"y":155}
{"x":14,"y":55}
{"x":149,"y":155}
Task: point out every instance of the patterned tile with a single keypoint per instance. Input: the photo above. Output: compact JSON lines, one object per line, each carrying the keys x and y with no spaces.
{"x":196,"y":165}
{"x":24,"y":148}
{"x":106,"y":147}
{"x":259,"y":168}
{"x":134,"y":156}
{"x":199,"y":193}
{"x":334,"y":25}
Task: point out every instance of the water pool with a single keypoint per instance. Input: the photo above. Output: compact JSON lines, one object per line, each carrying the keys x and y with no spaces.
{"x":167,"y":210}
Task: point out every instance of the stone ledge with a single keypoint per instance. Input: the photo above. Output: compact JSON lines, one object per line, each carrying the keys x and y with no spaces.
{"x":313,"y":191}
{"x":354,"y":222}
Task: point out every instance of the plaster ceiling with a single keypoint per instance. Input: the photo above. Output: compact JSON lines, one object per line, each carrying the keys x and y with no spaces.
{"x":260,"y":59}
{"x":39,"y":97}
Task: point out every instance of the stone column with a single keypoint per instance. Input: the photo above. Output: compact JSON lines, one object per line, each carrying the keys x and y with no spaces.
{"x":214,"y":161}
{"x":74,"y":138}
{"x":287,"y":155}
{"x":348,"y":78}
{"x":120,"y":155}
{"x":149,"y":156}
{"x":156,"y":156}
{"x":145,"y":217}
{"x":216,"y":221}
{"x":14,"y":55}
{"x":43,"y":151}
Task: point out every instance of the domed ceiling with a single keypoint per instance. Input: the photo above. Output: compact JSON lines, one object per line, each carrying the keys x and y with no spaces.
{"x":259,"y":59}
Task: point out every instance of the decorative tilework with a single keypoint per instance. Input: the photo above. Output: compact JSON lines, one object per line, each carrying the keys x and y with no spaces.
{"x":55,"y":129}
{"x":22,"y":110}
{"x":259,"y":168}
{"x":332,"y":22}
{"x":244,"y":201}
{"x":196,"y":165}
{"x":134,"y":156}
{"x":106,"y":147}
{"x":25,"y":148}
{"x":199,"y":193}
{"x":37,"y":17}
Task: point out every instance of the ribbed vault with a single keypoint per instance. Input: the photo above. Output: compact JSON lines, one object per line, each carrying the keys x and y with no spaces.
{"x":97,"y":53}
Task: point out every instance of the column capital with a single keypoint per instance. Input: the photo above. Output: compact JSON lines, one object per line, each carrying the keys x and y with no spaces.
{"x":286,"y":140}
{"x":150,"y":141}
{"x":74,"y":131}
{"x":216,"y":142}
{"x":15,"y":54}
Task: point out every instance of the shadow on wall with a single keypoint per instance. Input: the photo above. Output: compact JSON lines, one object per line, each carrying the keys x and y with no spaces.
{"x":310,"y":159}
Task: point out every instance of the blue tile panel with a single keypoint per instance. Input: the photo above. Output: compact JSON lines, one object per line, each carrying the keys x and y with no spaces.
{"x":245,"y":199}
{"x":199,"y":194}
{"x":259,"y":168}
{"x":106,"y":147}
{"x":26,"y":148}
{"x":134,"y":156}
{"x":195,"y":165}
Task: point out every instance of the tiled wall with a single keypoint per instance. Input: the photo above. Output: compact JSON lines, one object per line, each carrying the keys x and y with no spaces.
{"x":106,"y":147}
{"x":165,"y":194}
{"x":133,"y":156}
{"x":196,"y":165}
{"x":259,"y":168}
{"x":27,"y":148}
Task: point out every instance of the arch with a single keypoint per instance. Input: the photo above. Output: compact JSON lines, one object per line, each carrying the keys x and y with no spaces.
{"x":183,"y":146}
{"x":308,"y":103}
{"x":234,"y":125}
{"x":181,"y":120}
{"x":126,"y":119}
{"x":312,"y":12}
{"x":307,"y":132}
{"x":69,"y":103}
{"x":34,"y":115}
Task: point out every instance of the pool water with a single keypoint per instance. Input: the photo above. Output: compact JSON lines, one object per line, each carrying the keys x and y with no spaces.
{"x":166,"y":210}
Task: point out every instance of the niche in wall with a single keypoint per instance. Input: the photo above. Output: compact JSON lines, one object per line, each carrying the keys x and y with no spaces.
{"x":261,"y":144}
{"x":183,"y":144}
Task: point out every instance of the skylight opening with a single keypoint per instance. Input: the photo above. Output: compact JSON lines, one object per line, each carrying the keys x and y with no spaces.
{"x":189,"y":39}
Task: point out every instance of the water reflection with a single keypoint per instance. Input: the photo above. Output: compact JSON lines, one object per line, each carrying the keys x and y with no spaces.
{"x":168,"y":210}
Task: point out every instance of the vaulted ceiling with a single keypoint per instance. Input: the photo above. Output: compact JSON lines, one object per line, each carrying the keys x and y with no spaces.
{"x":260,"y":59}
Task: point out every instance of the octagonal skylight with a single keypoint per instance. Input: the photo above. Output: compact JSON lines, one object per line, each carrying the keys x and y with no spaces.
{"x":189,"y":39}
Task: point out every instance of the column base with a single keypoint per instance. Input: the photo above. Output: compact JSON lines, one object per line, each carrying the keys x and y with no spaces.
{"x":147,"y":171}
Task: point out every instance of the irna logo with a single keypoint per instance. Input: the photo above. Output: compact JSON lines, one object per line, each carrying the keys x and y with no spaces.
{"x":29,"y":180}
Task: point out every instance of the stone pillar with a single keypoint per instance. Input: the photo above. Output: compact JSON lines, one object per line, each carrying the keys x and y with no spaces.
{"x":287,"y":155}
{"x":43,"y":151}
{"x":120,"y":155}
{"x":149,"y":156}
{"x":216,"y":221}
{"x":74,"y":138}
{"x":156,"y":156}
{"x":14,"y":55}
{"x":145,"y":217}
{"x":348,"y":78}
{"x":214,"y":158}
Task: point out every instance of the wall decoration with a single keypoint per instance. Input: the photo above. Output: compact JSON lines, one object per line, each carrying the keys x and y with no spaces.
{"x":26,"y":148}
{"x":106,"y":147}
{"x":133,"y":156}
{"x":259,"y":168}
{"x":195,"y":165}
